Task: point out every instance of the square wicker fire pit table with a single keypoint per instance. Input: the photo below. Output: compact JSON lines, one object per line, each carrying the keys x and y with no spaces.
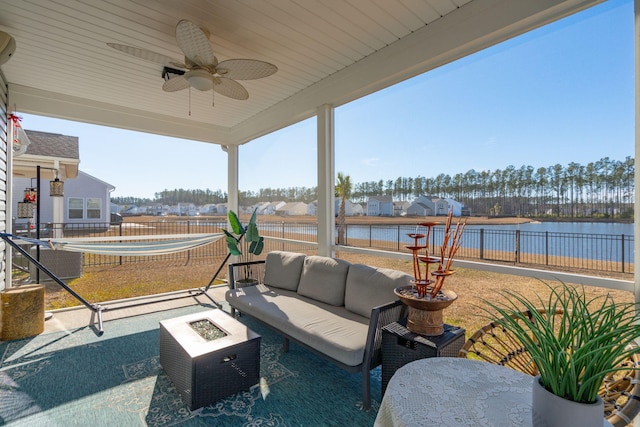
{"x":209,"y":356}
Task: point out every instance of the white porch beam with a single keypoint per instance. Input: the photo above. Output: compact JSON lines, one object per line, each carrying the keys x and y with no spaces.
{"x":34,"y":101}
{"x":326,"y":184}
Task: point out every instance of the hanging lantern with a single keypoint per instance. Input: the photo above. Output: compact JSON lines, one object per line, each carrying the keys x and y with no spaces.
{"x":25,"y":210}
{"x":56,"y":187}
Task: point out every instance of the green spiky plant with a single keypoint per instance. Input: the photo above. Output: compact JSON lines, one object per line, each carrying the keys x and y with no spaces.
{"x":575,"y":350}
{"x":244,"y":241}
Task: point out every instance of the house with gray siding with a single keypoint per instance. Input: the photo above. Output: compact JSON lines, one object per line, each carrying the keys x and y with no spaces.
{"x":87,"y":200}
{"x":434,"y":206}
{"x":380,"y":206}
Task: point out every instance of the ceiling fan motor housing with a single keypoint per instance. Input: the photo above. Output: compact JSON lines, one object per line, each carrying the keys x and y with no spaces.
{"x":7,"y":47}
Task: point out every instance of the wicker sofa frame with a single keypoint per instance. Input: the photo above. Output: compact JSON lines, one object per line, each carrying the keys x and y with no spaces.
{"x":380,"y":317}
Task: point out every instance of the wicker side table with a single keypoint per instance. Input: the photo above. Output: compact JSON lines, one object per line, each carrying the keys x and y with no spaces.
{"x":401,"y":346}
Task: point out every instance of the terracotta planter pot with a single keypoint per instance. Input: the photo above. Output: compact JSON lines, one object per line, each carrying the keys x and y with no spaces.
{"x":549,"y":410}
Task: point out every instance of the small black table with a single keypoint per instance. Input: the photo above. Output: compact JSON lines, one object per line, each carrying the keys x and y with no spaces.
{"x":401,"y":346}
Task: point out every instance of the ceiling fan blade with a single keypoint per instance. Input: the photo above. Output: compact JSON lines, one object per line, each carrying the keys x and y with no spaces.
{"x":245,"y":69}
{"x":194,"y":43}
{"x":179,"y":65}
{"x":145,"y":54}
{"x":175,"y":84}
{"x":230,"y":88}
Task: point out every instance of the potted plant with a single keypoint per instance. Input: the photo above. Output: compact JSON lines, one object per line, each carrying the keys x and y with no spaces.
{"x":244,"y":242}
{"x":574,"y":342}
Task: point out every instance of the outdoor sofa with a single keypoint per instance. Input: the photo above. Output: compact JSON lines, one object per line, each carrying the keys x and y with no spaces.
{"x":332,"y":307}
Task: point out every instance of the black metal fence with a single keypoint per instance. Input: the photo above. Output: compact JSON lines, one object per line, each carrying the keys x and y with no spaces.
{"x":597,"y":252}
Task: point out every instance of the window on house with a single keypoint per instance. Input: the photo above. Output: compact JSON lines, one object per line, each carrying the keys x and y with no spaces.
{"x":93,"y":208}
{"x":76,"y":208}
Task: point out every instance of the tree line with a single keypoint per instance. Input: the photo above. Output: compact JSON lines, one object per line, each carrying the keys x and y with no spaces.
{"x":604,"y":188}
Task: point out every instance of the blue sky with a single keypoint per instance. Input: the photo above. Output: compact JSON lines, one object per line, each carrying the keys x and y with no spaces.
{"x":560,"y":94}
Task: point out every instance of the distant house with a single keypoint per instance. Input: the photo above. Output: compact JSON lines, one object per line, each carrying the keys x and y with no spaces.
{"x":358,"y":209}
{"x":208,"y":209}
{"x":455,"y":206}
{"x":430,"y":206}
{"x":400,"y":208}
{"x":222,"y":208}
{"x":270,"y":208}
{"x":292,"y":209}
{"x":87,"y":200}
{"x":156,"y":210}
{"x":183,"y":209}
{"x":442,"y":207}
{"x":380,"y":206}
{"x":419,"y":209}
{"x":312,"y":208}
{"x":350,"y":208}
{"x":132,"y":210}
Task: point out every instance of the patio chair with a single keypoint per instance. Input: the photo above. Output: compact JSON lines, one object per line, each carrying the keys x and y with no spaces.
{"x":620,"y":390}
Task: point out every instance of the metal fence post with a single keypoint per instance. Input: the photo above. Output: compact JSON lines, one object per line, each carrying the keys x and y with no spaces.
{"x":482,"y":243}
{"x":622,"y":242}
{"x":188,"y":231}
{"x":546,"y":248}
{"x":282,"y":247}
{"x":120,"y":234}
{"x":517,"y":248}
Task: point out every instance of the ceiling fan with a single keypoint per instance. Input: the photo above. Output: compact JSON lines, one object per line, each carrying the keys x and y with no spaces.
{"x":201,"y":69}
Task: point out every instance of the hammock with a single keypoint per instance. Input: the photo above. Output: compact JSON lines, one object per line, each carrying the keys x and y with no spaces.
{"x":122,"y":246}
{"x":127,"y":245}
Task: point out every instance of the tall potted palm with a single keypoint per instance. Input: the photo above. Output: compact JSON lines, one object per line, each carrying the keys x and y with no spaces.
{"x":573,"y":350}
{"x":343,"y":191}
{"x":244,"y":242}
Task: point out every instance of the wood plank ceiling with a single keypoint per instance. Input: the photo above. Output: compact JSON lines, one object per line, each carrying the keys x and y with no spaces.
{"x":63,"y":67}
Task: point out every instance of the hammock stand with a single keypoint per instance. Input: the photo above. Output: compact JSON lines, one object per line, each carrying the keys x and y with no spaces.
{"x":95,"y":307}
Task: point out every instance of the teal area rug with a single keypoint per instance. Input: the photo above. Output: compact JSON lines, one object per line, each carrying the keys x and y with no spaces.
{"x":81,"y":379}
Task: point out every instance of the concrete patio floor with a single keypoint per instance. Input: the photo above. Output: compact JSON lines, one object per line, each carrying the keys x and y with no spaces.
{"x":80,"y":316}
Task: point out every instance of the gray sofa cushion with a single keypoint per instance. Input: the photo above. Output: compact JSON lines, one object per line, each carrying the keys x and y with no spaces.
{"x":324,"y":279}
{"x":368,"y":287}
{"x":334,"y":331}
{"x":283,"y":269}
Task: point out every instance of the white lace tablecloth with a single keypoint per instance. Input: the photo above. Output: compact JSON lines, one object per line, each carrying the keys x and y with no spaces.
{"x":450,"y":391}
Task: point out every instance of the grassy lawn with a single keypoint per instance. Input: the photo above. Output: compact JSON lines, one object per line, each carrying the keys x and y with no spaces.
{"x":99,"y":284}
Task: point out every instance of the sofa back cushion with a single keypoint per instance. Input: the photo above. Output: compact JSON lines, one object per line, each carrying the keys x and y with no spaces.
{"x":368,"y":287}
{"x":283,"y":269}
{"x":324,"y":279}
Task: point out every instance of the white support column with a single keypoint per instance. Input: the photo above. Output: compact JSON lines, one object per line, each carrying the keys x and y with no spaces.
{"x":232,"y":177}
{"x":636,"y":204}
{"x":326,"y":180}
{"x":8,"y":210}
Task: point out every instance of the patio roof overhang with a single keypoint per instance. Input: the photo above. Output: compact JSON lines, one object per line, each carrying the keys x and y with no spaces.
{"x":328,"y":53}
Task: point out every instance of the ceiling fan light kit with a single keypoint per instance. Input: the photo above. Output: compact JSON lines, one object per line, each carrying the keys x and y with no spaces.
{"x":201,"y":69}
{"x":199,"y":79}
